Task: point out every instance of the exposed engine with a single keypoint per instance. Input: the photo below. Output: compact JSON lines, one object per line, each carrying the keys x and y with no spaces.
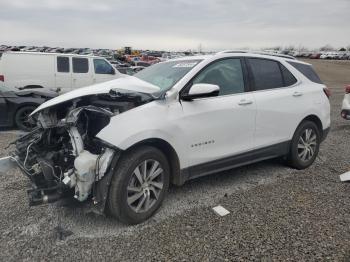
{"x":62,"y":156}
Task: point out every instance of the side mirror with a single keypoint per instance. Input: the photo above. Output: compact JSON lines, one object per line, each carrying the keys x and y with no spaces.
{"x":201,"y":91}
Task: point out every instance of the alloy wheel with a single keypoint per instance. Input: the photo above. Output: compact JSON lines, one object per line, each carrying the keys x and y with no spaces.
{"x":145,"y":186}
{"x":307,"y":144}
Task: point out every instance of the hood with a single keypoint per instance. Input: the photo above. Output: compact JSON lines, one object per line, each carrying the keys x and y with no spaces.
{"x":128,"y":84}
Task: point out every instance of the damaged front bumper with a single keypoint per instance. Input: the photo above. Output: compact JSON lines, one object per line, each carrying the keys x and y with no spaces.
{"x":64,"y":159}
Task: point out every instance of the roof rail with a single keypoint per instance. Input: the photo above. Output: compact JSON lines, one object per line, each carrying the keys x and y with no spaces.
{"x":232,"y":51}
{"x":258,"y":53}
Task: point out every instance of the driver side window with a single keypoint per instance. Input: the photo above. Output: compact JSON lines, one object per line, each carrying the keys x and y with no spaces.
{"x":227,"y":74}
{"x":102,"y":67}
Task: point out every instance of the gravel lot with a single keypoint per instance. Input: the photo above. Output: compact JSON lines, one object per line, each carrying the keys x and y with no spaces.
{"x":277,"y":213}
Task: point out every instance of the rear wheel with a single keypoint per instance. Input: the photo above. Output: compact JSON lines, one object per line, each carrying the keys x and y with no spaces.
{"x":22,"y":120}
{"x":139,"y":185}
{"x":305,"y":145}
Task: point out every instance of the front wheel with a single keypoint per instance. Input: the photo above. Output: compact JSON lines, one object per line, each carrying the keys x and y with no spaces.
{"x":304,"y":146}
{"x":139,"y":185}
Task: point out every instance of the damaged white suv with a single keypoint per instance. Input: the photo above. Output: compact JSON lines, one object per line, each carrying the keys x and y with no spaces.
{"x":118,"y":145}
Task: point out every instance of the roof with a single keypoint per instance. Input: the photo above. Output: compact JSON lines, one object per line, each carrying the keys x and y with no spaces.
{"x":233,"y":53}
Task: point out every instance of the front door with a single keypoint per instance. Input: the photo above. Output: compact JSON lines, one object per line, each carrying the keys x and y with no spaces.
{"x":103,"y":71}
{"x":219,"y":127}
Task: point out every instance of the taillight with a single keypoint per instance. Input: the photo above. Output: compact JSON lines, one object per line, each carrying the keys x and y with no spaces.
{"x":347,"y":89}
{"x":2,"y":78}
{"x":327,"y":91}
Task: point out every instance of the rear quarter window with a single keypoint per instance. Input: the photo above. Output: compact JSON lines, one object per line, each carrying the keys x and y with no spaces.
{"x":307,"y":71}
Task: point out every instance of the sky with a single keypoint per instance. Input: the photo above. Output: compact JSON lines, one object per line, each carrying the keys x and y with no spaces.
{"x":175,"y":25}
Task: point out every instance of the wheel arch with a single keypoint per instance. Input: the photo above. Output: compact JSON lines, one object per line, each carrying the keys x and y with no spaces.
{"x":169,"y":152}
{"x":313,"y":118}
{"x":316,"y":120}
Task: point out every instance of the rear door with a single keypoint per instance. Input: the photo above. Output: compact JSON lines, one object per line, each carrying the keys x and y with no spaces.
{"x":82,"y":72}
{"x":279,"y":101}
{"x":63,"y":74}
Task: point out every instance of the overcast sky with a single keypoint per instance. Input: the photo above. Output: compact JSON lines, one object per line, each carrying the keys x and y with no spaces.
{"x":175,"y":24}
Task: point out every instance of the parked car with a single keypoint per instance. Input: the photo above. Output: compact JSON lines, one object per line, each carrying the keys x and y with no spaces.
{"x":119,"y":144}
{"x":345,"y":110}
{"x":65,"y":72}
{"x":315,"y":56}
{"x":16,"y":106}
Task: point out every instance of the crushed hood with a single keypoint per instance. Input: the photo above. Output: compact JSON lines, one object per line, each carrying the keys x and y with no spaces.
{"x":125,"y":83}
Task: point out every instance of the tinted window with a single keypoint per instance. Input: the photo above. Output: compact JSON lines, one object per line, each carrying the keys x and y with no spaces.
{"x":288,"y":77}
{"x":63,"y":64}
{"x":307,"y":71}
{"x":227,"y":74}
{"x":80,"y":65}
{"x":102,"y":67}
{"x":266,"y":74}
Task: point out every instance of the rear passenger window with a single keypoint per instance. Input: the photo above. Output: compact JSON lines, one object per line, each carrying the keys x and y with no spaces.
{"x":63,"y":64}
{"x":266,"y":74}
{"x":307,"y":71}
{"x":288,"y":77}
{"x":80,"y":65}
{"x":227,"y":74}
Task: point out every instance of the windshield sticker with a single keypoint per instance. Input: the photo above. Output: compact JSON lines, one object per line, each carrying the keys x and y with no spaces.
{"x":185,"y":65}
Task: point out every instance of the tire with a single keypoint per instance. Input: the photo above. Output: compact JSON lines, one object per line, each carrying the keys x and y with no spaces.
{"x":127,"y":199}
{"x":304,"y":150}
{"x":22,"y":118}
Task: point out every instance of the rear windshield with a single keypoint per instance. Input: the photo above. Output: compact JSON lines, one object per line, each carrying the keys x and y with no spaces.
{"x":307,"y":71}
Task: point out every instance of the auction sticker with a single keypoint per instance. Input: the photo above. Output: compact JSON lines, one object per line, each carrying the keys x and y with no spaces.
{"x":185,"y":65}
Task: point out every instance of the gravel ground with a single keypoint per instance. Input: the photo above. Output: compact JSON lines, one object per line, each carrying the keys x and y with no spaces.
{"x":277,"y":213}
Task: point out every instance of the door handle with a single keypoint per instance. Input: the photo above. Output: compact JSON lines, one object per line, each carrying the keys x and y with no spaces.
{"x":244,"y":102}
{"x":296,"y":94}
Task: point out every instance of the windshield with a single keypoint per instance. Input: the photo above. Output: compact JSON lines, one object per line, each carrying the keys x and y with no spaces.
{"x":165,"y":75}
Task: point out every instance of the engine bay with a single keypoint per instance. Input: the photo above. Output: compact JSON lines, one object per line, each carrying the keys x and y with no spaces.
{"x":63,"y":157}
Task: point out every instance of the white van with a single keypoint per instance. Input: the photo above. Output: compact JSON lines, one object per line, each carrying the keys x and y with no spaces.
{"x":54,"y":71}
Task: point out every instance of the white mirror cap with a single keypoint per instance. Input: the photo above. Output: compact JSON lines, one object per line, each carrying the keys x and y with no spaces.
{"x":198,"y":89}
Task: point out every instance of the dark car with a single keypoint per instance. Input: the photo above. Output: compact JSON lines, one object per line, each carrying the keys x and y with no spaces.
{"x":16,"y":105}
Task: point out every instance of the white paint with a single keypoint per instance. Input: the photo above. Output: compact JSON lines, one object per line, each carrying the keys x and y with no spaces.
{"x":22,"y":69}
{"x":345,"y":177}
{"x":221,"y":211}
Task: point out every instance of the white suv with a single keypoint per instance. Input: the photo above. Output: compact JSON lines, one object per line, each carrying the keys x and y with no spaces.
{"x":118,"y":145}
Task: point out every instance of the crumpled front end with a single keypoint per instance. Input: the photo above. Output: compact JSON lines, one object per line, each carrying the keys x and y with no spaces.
{"x":63,"y":157}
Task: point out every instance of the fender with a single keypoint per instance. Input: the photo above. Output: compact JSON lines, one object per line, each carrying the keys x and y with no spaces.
{"x":130,"y":128}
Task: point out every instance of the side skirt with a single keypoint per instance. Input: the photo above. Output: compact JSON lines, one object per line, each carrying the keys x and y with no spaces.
{"x":231,"y":162}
